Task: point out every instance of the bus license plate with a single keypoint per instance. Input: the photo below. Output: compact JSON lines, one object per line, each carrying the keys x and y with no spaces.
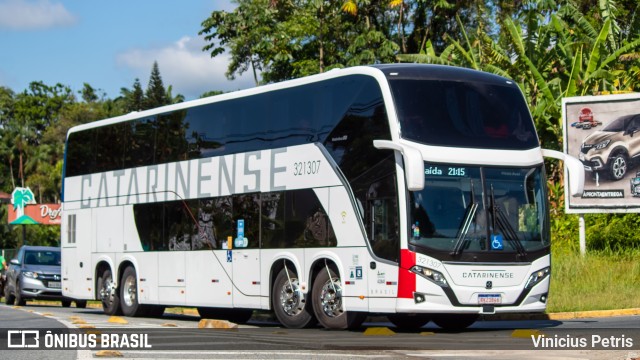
{"x":489,"y":299}
{"x":54,"y":284}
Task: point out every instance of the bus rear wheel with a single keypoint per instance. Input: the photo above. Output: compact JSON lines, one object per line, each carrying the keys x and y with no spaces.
{"x":108,"y":294}
{"x":454,"y":321}
{"x":129,"y":294}
{"x":328,"y":304}
{"x":289,"y":303}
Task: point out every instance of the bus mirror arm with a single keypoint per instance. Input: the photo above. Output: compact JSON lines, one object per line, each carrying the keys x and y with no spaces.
{"x":413,"y":162}
{"x":575,"y":168}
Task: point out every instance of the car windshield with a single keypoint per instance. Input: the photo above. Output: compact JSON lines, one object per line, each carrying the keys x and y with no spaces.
{"x":480,"y":209}
{"x":618,"y":124}
{"x":42,"y":257}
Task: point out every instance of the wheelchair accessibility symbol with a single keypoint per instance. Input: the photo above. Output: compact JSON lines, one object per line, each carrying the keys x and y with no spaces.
{"x":496,"y":242}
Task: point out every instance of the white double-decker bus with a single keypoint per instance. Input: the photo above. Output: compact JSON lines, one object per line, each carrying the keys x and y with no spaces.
{"x":413,"y":191}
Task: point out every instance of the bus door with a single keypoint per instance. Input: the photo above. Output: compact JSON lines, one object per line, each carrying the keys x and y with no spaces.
{"x":382,"y":226}
{"x":76,"y":267}
{"x":245,"y":253}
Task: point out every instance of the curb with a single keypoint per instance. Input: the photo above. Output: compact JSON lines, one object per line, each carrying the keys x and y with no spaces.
{"x":564,"y":315}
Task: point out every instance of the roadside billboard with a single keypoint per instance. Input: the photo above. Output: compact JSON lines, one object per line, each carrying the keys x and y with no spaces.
{"x":25,"y":211}
{"x":604,"y":133}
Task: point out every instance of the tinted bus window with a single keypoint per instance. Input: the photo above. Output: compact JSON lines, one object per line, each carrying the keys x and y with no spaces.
{"x":463,"y":114}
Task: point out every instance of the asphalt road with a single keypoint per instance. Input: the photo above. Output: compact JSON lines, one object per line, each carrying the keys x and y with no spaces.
{"x":178,"y":337}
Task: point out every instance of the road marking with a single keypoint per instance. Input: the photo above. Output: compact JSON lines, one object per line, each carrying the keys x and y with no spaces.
{"x":379,"y":331}
{"x":117,"y":320}
{"x":525,"y":333}
{"x":108,"y":353}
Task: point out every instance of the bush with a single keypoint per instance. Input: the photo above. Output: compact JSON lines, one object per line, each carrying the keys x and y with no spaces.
{"x":613,"y":232}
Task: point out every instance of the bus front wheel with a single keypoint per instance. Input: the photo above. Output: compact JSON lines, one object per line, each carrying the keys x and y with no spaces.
{"x":289,"y":303}
{"x":328,"y":302}
{"x":108,"y":294}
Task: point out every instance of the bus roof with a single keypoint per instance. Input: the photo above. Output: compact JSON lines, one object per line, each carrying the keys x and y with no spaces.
{"x":381,"y":72}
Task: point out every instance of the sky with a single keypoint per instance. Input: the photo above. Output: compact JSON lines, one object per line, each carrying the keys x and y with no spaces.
{"x":108,"y":44}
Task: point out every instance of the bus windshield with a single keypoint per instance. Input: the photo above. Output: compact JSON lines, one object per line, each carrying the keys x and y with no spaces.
{"x":464,"y":114}
{"x":475,"y":209}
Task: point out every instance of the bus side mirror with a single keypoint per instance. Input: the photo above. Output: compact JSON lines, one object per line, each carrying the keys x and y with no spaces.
{"x":575,"y":168}
{"x":413,"y":162}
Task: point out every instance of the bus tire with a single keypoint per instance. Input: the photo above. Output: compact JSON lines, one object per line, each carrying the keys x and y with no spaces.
{"x":108,"y":294}
{"x":409,"y":321}
{"x":289,"y":304}
{"x":328,"y":304}
{"x":129,"y":294}
{"x":454,"y":321}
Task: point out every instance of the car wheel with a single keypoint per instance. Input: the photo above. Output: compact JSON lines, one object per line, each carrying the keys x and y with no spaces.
{"x":9,"y":299}
{"x":618,"y":167}
{"x":289,"y":303}
{"x":81,"y":304}
{"x":66,"y":303}
{"x":108,"y":294}
{"x":328,"y":304}
{"x":129,"y":294}
{"x":20,"y":301}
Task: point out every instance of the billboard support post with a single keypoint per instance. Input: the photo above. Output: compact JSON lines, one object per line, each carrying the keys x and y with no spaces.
{"x":582,"y":235}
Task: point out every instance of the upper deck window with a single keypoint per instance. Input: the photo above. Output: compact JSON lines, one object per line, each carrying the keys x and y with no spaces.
{"x":463,"y":114}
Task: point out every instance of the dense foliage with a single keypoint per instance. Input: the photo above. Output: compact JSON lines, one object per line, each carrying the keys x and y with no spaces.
{"x":33,"y":129}
{"x":552,"y":49}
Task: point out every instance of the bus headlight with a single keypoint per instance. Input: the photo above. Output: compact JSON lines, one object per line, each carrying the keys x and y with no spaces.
{"x":536,"y":277}
{"x":431,"y":275}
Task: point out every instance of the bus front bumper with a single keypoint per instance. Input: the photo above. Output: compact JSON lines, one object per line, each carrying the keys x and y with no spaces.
{"x":431,"y":298}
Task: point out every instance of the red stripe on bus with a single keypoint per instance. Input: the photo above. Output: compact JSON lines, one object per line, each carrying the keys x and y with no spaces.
{"x":406,"y":278}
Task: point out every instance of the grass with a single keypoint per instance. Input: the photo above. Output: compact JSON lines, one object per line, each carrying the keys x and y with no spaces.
{"x":597,"y":281}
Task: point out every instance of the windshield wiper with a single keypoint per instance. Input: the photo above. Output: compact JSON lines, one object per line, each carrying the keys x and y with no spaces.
{"x":469,"y":216}
{"x":502,"y":222}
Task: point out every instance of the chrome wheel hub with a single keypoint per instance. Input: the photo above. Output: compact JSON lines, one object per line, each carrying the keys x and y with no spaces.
{"x":331,"y":298}
{"x":291,"y":299}
{"x":107,"y":292}
{"x":129,"y":294}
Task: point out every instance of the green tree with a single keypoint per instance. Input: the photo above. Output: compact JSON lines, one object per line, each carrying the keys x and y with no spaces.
{"x":88,"y":93}
{"x":252,"y":32}
{"x":156,"y":94}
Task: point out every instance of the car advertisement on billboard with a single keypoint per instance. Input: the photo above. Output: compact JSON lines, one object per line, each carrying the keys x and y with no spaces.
{"x":603,"y":132}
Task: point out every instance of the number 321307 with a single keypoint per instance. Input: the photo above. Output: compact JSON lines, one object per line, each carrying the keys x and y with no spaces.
{"x":306,"y":167}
